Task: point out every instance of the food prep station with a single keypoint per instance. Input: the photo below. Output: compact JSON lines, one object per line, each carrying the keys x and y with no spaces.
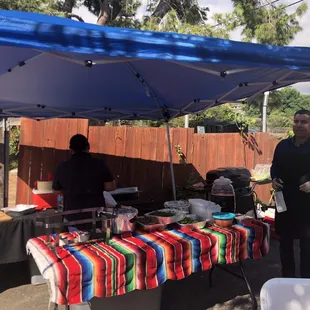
{"x":122,"y":228}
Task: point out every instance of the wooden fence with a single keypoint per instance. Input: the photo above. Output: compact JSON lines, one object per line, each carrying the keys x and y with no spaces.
{"x":139,"y":156}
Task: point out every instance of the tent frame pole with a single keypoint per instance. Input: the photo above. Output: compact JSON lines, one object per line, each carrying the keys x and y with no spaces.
{"x":6,"y":168}
{"x":171,"y":162}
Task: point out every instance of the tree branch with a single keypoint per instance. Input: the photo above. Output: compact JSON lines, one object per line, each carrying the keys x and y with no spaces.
{"x":104,"y":14}
{"x":71,"y":15}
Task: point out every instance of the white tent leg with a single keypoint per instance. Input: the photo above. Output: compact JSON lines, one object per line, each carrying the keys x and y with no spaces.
{"x":6,"y":163}
{"x":264,"y":111}
{"x":171,"y":162}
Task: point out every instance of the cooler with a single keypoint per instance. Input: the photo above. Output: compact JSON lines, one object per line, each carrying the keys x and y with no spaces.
{"x":44,"y":199}
{"x":285,"y":294}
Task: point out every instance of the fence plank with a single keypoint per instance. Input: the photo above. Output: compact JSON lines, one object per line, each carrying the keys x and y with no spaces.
{"x":93,"y":138}
{"x":161,"y":145}
{"x":22,"y":187}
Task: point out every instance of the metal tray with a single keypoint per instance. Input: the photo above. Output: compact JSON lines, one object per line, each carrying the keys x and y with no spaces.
{"x":198,"y":224}
{"x":149,"y":227}
{"x":178,"y":216}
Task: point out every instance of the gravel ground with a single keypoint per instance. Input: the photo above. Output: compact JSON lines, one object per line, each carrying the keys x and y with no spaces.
{"x":227,"y":293}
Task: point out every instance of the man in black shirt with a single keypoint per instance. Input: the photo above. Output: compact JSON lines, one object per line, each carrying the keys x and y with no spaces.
{"x":82,"y":180}
{"x":290,"y":172}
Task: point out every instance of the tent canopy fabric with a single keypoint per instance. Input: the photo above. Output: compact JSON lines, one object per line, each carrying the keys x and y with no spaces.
{"x":56,"y":67}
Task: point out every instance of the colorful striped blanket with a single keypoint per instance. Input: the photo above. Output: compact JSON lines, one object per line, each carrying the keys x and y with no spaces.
{"x":139,"y":261}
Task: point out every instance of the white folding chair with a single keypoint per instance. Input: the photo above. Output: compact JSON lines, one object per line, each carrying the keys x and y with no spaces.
{"x":285,"y":294}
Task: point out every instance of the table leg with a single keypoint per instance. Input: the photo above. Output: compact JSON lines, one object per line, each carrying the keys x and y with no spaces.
{"x":242,"y":277}
{"x":254,"y":302}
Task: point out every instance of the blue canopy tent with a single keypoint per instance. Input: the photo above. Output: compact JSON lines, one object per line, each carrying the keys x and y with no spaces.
{"x":55,"y":67}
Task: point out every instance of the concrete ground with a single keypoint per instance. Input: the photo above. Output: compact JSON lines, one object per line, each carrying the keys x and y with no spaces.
{"x":192,"y":293}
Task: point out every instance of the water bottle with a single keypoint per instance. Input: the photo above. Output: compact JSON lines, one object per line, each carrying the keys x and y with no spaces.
{"x":60,"y":203}
{"x":280,"y":202}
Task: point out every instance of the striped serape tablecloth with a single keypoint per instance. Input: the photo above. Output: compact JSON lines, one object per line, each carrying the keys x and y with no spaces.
{"x":79,"y":272}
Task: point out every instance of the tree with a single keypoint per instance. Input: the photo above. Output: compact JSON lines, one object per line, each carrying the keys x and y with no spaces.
{"x":282,"y":105}
{"x":40,"y":6}
{"x":287,"y":100}
{"x":267,"y":23}
{"x":188,"y":11}
{"x":172,"y":23}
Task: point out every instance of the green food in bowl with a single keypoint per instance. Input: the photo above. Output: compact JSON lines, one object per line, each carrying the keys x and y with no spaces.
{"x":147,"y":221}
{"x":162,"y":214}
{"x":187,"y":220}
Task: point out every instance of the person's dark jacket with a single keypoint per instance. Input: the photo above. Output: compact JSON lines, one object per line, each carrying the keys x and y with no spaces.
{"x":81,"y":180}
{"x":291,"y":164}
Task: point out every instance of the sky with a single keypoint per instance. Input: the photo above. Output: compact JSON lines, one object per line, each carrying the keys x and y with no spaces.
{"x":225,"y":6}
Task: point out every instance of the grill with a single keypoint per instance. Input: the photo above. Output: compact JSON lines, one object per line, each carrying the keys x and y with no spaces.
{"x":241,"y":179}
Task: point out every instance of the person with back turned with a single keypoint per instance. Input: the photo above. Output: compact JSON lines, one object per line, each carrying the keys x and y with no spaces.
{"x":290,"y":172}
{"x":82,"y":180}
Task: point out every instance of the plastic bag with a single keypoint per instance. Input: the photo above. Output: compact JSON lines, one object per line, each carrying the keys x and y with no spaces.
{"x":261,"y":172}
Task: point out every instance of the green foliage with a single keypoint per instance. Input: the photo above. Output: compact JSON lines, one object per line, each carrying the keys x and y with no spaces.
{"x":290,"y":133}
{"x":13,"y":147}
{"x":188,"y":11}
{"x":24,"y":5}
{"x":224,"y":113}
{"x":286,"y":100}
{"x":270,"y":24}
{"x":172,"y":23}
{"x":49,"y":7}
{"x":14,"y":141}
{"x":182,"y":157}
{"x":282,"y":105}
{"x":125,"y":8}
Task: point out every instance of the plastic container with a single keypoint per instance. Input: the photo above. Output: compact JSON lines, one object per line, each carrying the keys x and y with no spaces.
{"x":223,"y":219}
{"x":44,"y":200}
{"x":180,"y":205}
{"x":125,"y":194}
{"x":203,"y":209}
{"x":223,"y":194}
{"x":261,"y":172}
{"x":84,"y":237}
{"x":122,"y":222}
{"x":37,"y":280}
{"x":285,"y":294}
{"x":44,"y":186}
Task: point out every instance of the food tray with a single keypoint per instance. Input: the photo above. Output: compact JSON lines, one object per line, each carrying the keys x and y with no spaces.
{"x":181,"y":205}
{"x":124,"y":190}
{"x":199,"y":224}
{"x":140,"y":221}
{"x":175,"y":216}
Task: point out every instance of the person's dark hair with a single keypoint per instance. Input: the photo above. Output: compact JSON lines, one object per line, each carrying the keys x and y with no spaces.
{"x":302,"y":112}
{"x":79,"y":143}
